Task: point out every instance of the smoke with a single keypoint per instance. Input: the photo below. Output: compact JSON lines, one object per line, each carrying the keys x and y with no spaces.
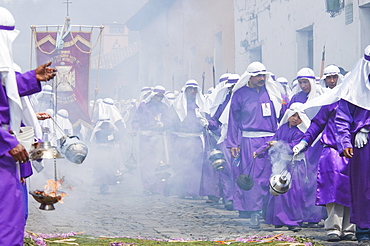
{"x":279,"y":156}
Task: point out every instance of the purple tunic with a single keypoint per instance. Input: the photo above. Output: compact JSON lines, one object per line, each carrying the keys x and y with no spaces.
{"x":313,"y":213}
{"x":12,"y":217}
{"x":246,"y":115}
{"x":349,"y":120}
{"x":332,"y":173}
{"x":187,"y":154}
{"x":288,"y":209}
{"x":152,"y":144}
{"x":299,"y":97}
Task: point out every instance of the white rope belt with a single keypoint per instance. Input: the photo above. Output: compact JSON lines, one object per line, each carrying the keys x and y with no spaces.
{"x":250,"y":134}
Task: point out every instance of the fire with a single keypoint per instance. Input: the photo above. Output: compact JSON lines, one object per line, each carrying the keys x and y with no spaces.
{"x":51,"y":190}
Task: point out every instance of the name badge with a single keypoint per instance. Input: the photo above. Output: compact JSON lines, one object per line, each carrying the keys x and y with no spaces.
{"x":266,"y":109}
{"x":110,"y":137}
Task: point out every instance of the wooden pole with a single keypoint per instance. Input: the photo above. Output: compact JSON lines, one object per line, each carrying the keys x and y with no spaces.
{"x":322,"y":62}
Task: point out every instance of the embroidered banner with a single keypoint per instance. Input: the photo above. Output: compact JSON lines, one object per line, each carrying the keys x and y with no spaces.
{"x":72,"y":63}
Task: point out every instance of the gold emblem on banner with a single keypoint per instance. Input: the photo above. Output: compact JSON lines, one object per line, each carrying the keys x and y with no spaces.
{"x":65,"y":78}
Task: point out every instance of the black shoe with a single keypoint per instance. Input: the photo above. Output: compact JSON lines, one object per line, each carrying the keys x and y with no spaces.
{"x":213,"y":199}
{"x":294,"y":228}
{"x":278,"y":226}
{"x":229,"y":205}
{"x":349,"y":237}
{"x":314,"y":225}
{"x":254,"y":222}
{"x":333,"y":238}
{"x":364,"y":242}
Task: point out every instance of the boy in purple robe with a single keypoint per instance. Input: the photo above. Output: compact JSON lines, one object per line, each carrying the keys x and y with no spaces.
{"x":13,"y":87}
{"x":256,"y":105}
{"x":353,"y":126}
{"x":287,"y":209}
{"x":309,"y":90}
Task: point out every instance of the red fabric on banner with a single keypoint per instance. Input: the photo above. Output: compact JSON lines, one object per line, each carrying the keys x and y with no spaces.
{"x":72,"y":63}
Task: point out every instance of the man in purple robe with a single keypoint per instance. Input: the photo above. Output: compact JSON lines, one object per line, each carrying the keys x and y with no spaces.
{"x":256,"y":105}
{"x":187,"y":145}
{"x":221,"y":100}
{"x":153,"y":120}
{"x":353,"y":126}
{"x":13,"y":87}
{"x":332,"y":174}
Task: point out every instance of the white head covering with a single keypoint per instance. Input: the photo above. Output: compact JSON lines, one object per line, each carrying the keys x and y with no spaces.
{"x":7,"y":36}
{"x":328,"y":71}
{"x":257,"y":68}
{"x":170,"y":97}
{"x":296,"y":108}
{"x":144,"y":92}
{"x":309,"y":74}
{"x":223,"y":92}
{"x":180,"y":103}
{"x":285,"y":84}
{"x":63,"y":123}
{"x":356,"y":86}
{"x":354,"y":89}
{"x":45,"y":98}
{"x":157,"y":90}
{"x":108,"y":108}
{"x":102,"y":118}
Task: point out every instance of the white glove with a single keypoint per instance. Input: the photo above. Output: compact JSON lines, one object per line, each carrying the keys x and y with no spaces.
{"x":204,"y":122}
{"x":361,"y":138}
{"x":299,"y":147}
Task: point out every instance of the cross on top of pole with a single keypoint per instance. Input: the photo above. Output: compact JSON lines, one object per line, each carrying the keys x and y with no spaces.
{"x":67,"y":2}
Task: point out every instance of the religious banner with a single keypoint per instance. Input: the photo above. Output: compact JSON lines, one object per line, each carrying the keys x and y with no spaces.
{"x":71,"y":59}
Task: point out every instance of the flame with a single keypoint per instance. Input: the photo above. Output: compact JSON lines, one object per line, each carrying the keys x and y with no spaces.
{"x":51,"y":189}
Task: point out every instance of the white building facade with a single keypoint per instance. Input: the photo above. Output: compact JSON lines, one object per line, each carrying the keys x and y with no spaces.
{"x":287,"y":35}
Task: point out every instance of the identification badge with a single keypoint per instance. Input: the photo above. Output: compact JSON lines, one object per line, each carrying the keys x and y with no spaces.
{"x":266,"y":109}
{"x":110,"y":137}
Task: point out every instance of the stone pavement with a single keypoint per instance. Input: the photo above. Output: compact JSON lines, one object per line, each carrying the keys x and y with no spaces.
{"x":126,"y":211}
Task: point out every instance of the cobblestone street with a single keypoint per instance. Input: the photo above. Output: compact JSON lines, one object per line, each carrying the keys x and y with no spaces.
{"x":126,"y":211}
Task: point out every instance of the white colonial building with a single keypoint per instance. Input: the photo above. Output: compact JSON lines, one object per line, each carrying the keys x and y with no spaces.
{"x":287,"y":35}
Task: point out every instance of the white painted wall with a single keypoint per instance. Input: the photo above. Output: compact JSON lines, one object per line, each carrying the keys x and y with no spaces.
{"x":278,"y":22}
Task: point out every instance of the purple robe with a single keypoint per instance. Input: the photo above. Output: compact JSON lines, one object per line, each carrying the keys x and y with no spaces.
{"x":288,"y":209}
{"x":223,"y":179}
{"x":313,"y":213}
{"x":12,"y":213}
{"x":299,"y":97}
{"x":332,"y":173}
{"x":246,"y":115}
{"x":152,"y":144}
{"x":349,"y":120}
{"x":187,"y":154}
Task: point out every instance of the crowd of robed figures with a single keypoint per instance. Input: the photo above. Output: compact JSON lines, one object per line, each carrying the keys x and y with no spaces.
{"x":313,"y":129}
